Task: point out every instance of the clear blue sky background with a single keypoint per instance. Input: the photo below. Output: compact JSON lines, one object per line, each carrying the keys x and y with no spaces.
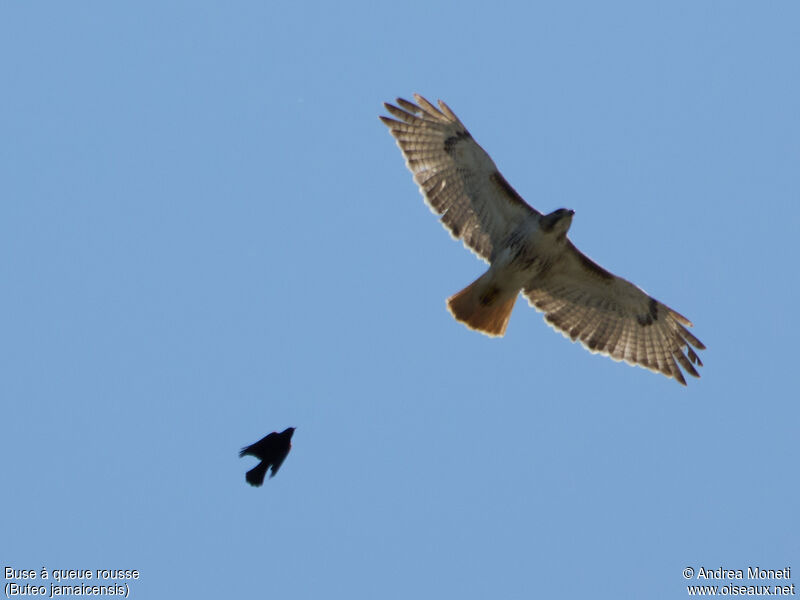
{"x":206,"y":235}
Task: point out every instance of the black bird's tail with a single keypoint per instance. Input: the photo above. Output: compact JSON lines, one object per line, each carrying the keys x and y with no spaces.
{"x":255,"y":476}
{"x":244,"y":451}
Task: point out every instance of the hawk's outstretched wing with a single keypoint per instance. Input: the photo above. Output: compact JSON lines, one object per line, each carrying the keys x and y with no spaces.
{"x":455,"y":175}
{"x":612,"y":316}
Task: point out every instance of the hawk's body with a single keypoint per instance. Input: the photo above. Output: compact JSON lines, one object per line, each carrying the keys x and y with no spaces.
{"x":530,"y":252}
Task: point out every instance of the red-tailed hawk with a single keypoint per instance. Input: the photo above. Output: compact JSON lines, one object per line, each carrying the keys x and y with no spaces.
{"x":530,"y":252}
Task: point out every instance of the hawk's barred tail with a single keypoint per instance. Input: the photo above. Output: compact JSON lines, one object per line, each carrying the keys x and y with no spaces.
{"x":483,"y":306}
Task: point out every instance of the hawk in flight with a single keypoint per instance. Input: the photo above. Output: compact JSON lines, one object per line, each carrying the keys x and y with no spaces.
{"x":530,"y":252}
{"x":271,"y":450}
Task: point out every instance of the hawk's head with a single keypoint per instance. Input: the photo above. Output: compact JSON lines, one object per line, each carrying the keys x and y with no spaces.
{"x":557,"y":222}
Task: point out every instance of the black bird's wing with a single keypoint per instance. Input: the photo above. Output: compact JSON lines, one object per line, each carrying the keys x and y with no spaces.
{"x":263,"y":448}
{"x":277,"y":461}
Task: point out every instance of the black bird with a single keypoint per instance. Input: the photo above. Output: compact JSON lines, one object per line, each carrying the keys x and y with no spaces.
{"x":272,"y":451}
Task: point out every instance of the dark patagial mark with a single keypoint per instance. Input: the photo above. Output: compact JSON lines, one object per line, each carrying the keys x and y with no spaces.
{"x":654,"y":309}
{"x":454,"y":139}
{"x":648,"y":319}
{"x":509,"y":191}
{"x":590,"y":265}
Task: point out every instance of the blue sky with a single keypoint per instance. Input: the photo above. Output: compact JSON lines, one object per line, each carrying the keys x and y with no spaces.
{"x":207,"y":235}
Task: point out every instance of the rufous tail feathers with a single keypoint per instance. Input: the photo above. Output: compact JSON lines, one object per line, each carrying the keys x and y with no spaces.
{"x":483,"y":306}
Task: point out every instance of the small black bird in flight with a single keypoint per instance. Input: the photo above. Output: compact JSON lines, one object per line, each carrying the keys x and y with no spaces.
{"x":272,"y":451}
